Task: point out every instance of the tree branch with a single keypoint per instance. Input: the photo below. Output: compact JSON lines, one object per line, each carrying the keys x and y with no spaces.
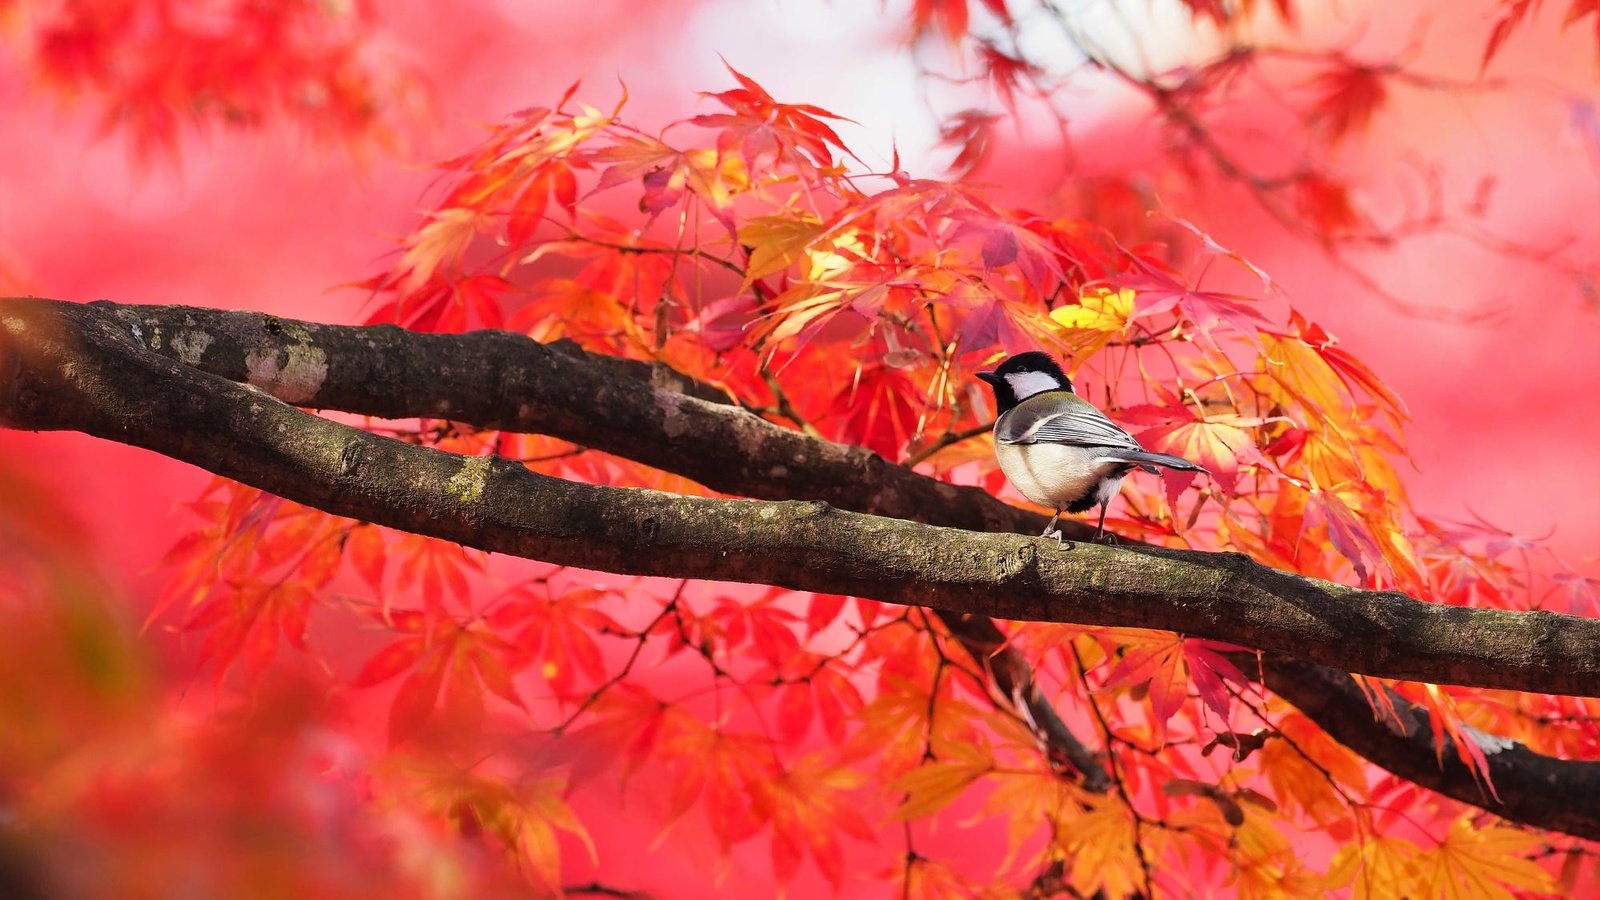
{"x":90,"y":368}
{"x":497,"y":379}
{"x":1528,"y":787}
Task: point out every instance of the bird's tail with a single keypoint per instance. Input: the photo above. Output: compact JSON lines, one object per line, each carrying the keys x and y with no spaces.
{"x":1146,"y":460}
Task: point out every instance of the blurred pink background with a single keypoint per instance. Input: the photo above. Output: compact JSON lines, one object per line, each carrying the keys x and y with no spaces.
{"x":1504,"y":415}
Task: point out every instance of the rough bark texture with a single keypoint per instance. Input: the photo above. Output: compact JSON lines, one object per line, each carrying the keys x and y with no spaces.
{"x":172,"y":379}
{"x":496,"y":379}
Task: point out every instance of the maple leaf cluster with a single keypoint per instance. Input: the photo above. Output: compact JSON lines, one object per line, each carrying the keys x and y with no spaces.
{"x":748,"y":248}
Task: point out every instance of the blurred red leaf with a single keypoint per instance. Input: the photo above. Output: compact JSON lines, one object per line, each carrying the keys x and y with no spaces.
{"x":1512,"y":13}
{"x":390,"y":661}
{"x":558,"y":633}
{"x":821,"y":611}
{"x":234,"y":64}
{"x":1347,"y":97}
{"x":414,"y":702}
{"x":970,"y":133}
{"x":949,"y":17}
{"x":366,"y":549}
{"x":1326,"y":203}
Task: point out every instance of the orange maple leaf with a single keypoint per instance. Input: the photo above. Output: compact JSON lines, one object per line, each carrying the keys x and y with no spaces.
{"x":439,"y":651}
{"x":1101,"y":847}
{"x":810,"y":803}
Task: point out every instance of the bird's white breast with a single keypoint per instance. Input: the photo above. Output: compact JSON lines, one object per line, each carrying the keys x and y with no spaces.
{"x":1054,"y":475}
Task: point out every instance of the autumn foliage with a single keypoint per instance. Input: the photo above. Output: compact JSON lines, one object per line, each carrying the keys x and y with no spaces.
{"x":157,"y":68}
{"x":397,"y":714}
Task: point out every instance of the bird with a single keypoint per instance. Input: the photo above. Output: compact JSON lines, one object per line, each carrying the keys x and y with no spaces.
{"x":1055,"y":447}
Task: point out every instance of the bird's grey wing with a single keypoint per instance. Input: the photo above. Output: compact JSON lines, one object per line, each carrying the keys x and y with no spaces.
{"x":1079,"y":424}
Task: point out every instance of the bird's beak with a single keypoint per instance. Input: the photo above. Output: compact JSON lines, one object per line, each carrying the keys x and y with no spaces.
{"x":988,"y":377}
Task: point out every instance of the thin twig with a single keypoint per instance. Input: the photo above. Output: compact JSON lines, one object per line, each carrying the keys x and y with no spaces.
{"x":945,"y":440}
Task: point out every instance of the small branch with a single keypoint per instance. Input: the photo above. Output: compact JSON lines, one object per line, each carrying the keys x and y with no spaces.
{"x":785,"y":408}
{"x":1013,"y":680}
{"x":945,"y":440}
{"x":695,"y":252}
{"x":596,"y":889}
{"x":1110,"y":739}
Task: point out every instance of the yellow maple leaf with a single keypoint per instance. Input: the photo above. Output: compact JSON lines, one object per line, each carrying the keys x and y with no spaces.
{"x":1297,"y":374}
{"x":1099,"y":317}
{"x":1101,"y":844}
{"x":1482,"y":863}
{"x":718,"y":177}
{"x":1297,"y":781}
{"x":526,"y":819}
{"x":1267,"y":865}
{"x":1382,"y":867}
{"x":776,"y":242}
{"x":931,"y":787}
{"x":1026,"y":799}
{"x":835,"y":257}
{"x":560,"y":141}
{"x":800,"y":306}
{"x":930,"y":879}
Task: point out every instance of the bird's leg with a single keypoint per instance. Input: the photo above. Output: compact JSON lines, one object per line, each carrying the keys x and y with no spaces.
{"x":1051,"y":530}
{"x":1100,"y":535}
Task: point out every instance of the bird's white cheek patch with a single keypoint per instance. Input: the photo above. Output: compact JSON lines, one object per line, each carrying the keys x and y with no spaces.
{"x":1026,"y":384}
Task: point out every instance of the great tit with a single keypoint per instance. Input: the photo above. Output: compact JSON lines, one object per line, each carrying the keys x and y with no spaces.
{"x":1055,"y":447}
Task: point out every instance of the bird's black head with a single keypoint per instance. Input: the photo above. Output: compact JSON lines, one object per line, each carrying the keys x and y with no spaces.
{"x":1024,"y":375}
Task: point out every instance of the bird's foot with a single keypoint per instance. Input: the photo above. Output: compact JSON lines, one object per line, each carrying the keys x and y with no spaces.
{"x":1061,"y":540}
{"x":1106,"y":538}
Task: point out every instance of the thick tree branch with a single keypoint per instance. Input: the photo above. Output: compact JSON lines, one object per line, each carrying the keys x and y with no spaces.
{"x":497,"y":379}
{"x":88,"y":367}
{"x":1528,"y":787}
